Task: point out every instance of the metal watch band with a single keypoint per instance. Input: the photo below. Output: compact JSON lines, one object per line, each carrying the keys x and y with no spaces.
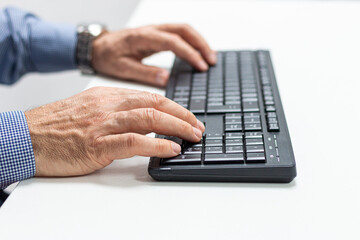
{"x":85,"y":36}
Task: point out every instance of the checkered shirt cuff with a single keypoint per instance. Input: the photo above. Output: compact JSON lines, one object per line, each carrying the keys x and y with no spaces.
{"x":17,"y":161}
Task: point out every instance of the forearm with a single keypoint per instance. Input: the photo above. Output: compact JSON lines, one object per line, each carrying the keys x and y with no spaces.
{"x":28,"y":44}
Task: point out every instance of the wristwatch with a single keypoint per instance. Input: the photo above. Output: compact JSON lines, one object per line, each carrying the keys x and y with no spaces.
{"x":86,"y":33}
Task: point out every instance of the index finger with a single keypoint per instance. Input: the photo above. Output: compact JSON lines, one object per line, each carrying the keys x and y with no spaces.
{"x":158,"y":102}
{"x":193,"y":37}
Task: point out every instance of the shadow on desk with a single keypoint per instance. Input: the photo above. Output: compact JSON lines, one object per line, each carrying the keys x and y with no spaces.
{"x":131,"y":173}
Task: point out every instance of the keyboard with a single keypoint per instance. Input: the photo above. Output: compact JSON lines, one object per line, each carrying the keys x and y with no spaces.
{"x":246,"y":137}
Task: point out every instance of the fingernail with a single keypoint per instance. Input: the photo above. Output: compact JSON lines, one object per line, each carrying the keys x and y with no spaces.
{"x":162,"y":77}
{"x":202,"y":66}
{"x":197,"y":132}
{"x":176,"y":147}
{"x":213,"y":58}
{"x":200,"y":125}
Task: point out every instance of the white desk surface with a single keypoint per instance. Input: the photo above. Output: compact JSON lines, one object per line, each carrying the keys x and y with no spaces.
{"x":315,"y":48}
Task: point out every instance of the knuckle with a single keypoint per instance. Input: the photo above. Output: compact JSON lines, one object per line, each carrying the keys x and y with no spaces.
{"x":159,"y":146}
{"x":157,"y":99}
{"x":184,"y":127}
{"x":130,"y":140}
{"x":152,"y":115}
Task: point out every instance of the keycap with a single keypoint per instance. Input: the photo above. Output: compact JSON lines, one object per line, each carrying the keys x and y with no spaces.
{"x":255,"y":158}
{"x":234,"y":142}
{"x":183,"y":159}
{"x":175,"y":139}
{"x":273,"y":127}
{"x":251,"y":115}
{"x":270,"y":108}
{"x":234,"y":149}
{"x":254,"y":148}
{"x":253,"y":135}
{"x":233,"y":135}
{"x":253,"y":141}
{"x":251,"y":107}
{"x":232,"y":116}
{"x":197,"y":105}
{"x":224,"y":158}
{"x":233,"y":127}
{"x":272,"y":120}
{"x":213,"y":142}
{"x":213,"y":150}
{"x":252,"y":127}
{"x":252,"y":120}
{"x":213,"y":136}
{"x":233,"y":121}
{"x":193,"y":150}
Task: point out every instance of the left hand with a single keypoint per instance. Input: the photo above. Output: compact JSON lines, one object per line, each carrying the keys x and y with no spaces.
{"x":119,"y":54}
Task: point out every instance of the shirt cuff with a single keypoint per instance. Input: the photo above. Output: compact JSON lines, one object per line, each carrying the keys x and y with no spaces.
{"x":17,"y":161}
{"x":53,"y":46}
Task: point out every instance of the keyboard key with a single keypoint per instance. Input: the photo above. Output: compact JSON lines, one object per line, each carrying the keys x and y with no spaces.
{"x":213,"y":136}
{"x":273,"y":127}
{"x":224,"y":158}
{"x":233,"y":135}
{"x":233,"y":121}
{"x":252,"y":120}
{"x":255,"y":148}
{"x":234,"y":149}
{"x":193,"y":150}
{"x":234,"y":142}
{"x":213,"y":150}
{"x":251,"y":107}
{"x":197,"y":105}
{"x":233,"y":127}
{"x":232,"y":116}
{"x":183,"y":159}
{"x":213,"y":143}
{"x":251,"y":115}
{"x":270,"y":108}
{"x":253,"y":135}
{"x":252,"y":127}
{"x":255,"y":158}
{"x":253,"y":141}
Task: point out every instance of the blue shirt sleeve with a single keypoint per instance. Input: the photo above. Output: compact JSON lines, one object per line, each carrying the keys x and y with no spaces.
{"x":17,"y":161}
{"x":28,"y":44}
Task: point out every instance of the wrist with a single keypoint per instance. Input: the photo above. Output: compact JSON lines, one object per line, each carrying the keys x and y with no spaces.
{"x":86,"y":35}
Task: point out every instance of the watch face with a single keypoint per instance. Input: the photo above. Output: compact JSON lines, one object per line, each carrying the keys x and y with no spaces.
{"x":95,"y":29}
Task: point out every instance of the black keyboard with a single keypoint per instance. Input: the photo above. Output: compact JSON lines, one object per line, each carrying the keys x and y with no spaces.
{"x":246,"y":137}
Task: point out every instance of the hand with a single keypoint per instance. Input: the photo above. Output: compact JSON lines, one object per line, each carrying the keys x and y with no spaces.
{"x":119,"y":54}
{"x":88,"y":131}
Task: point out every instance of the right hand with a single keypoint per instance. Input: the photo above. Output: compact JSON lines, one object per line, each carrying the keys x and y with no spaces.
{"x":86,"y":132}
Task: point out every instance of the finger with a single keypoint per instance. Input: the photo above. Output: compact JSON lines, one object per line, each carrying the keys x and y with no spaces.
{"x":193,"y":37}
{"x":131,"y":144}
{"x":158,"y":102}
{"x":146,"y":120}
{"x":163,"y":41}
{"x":143,"y":73}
